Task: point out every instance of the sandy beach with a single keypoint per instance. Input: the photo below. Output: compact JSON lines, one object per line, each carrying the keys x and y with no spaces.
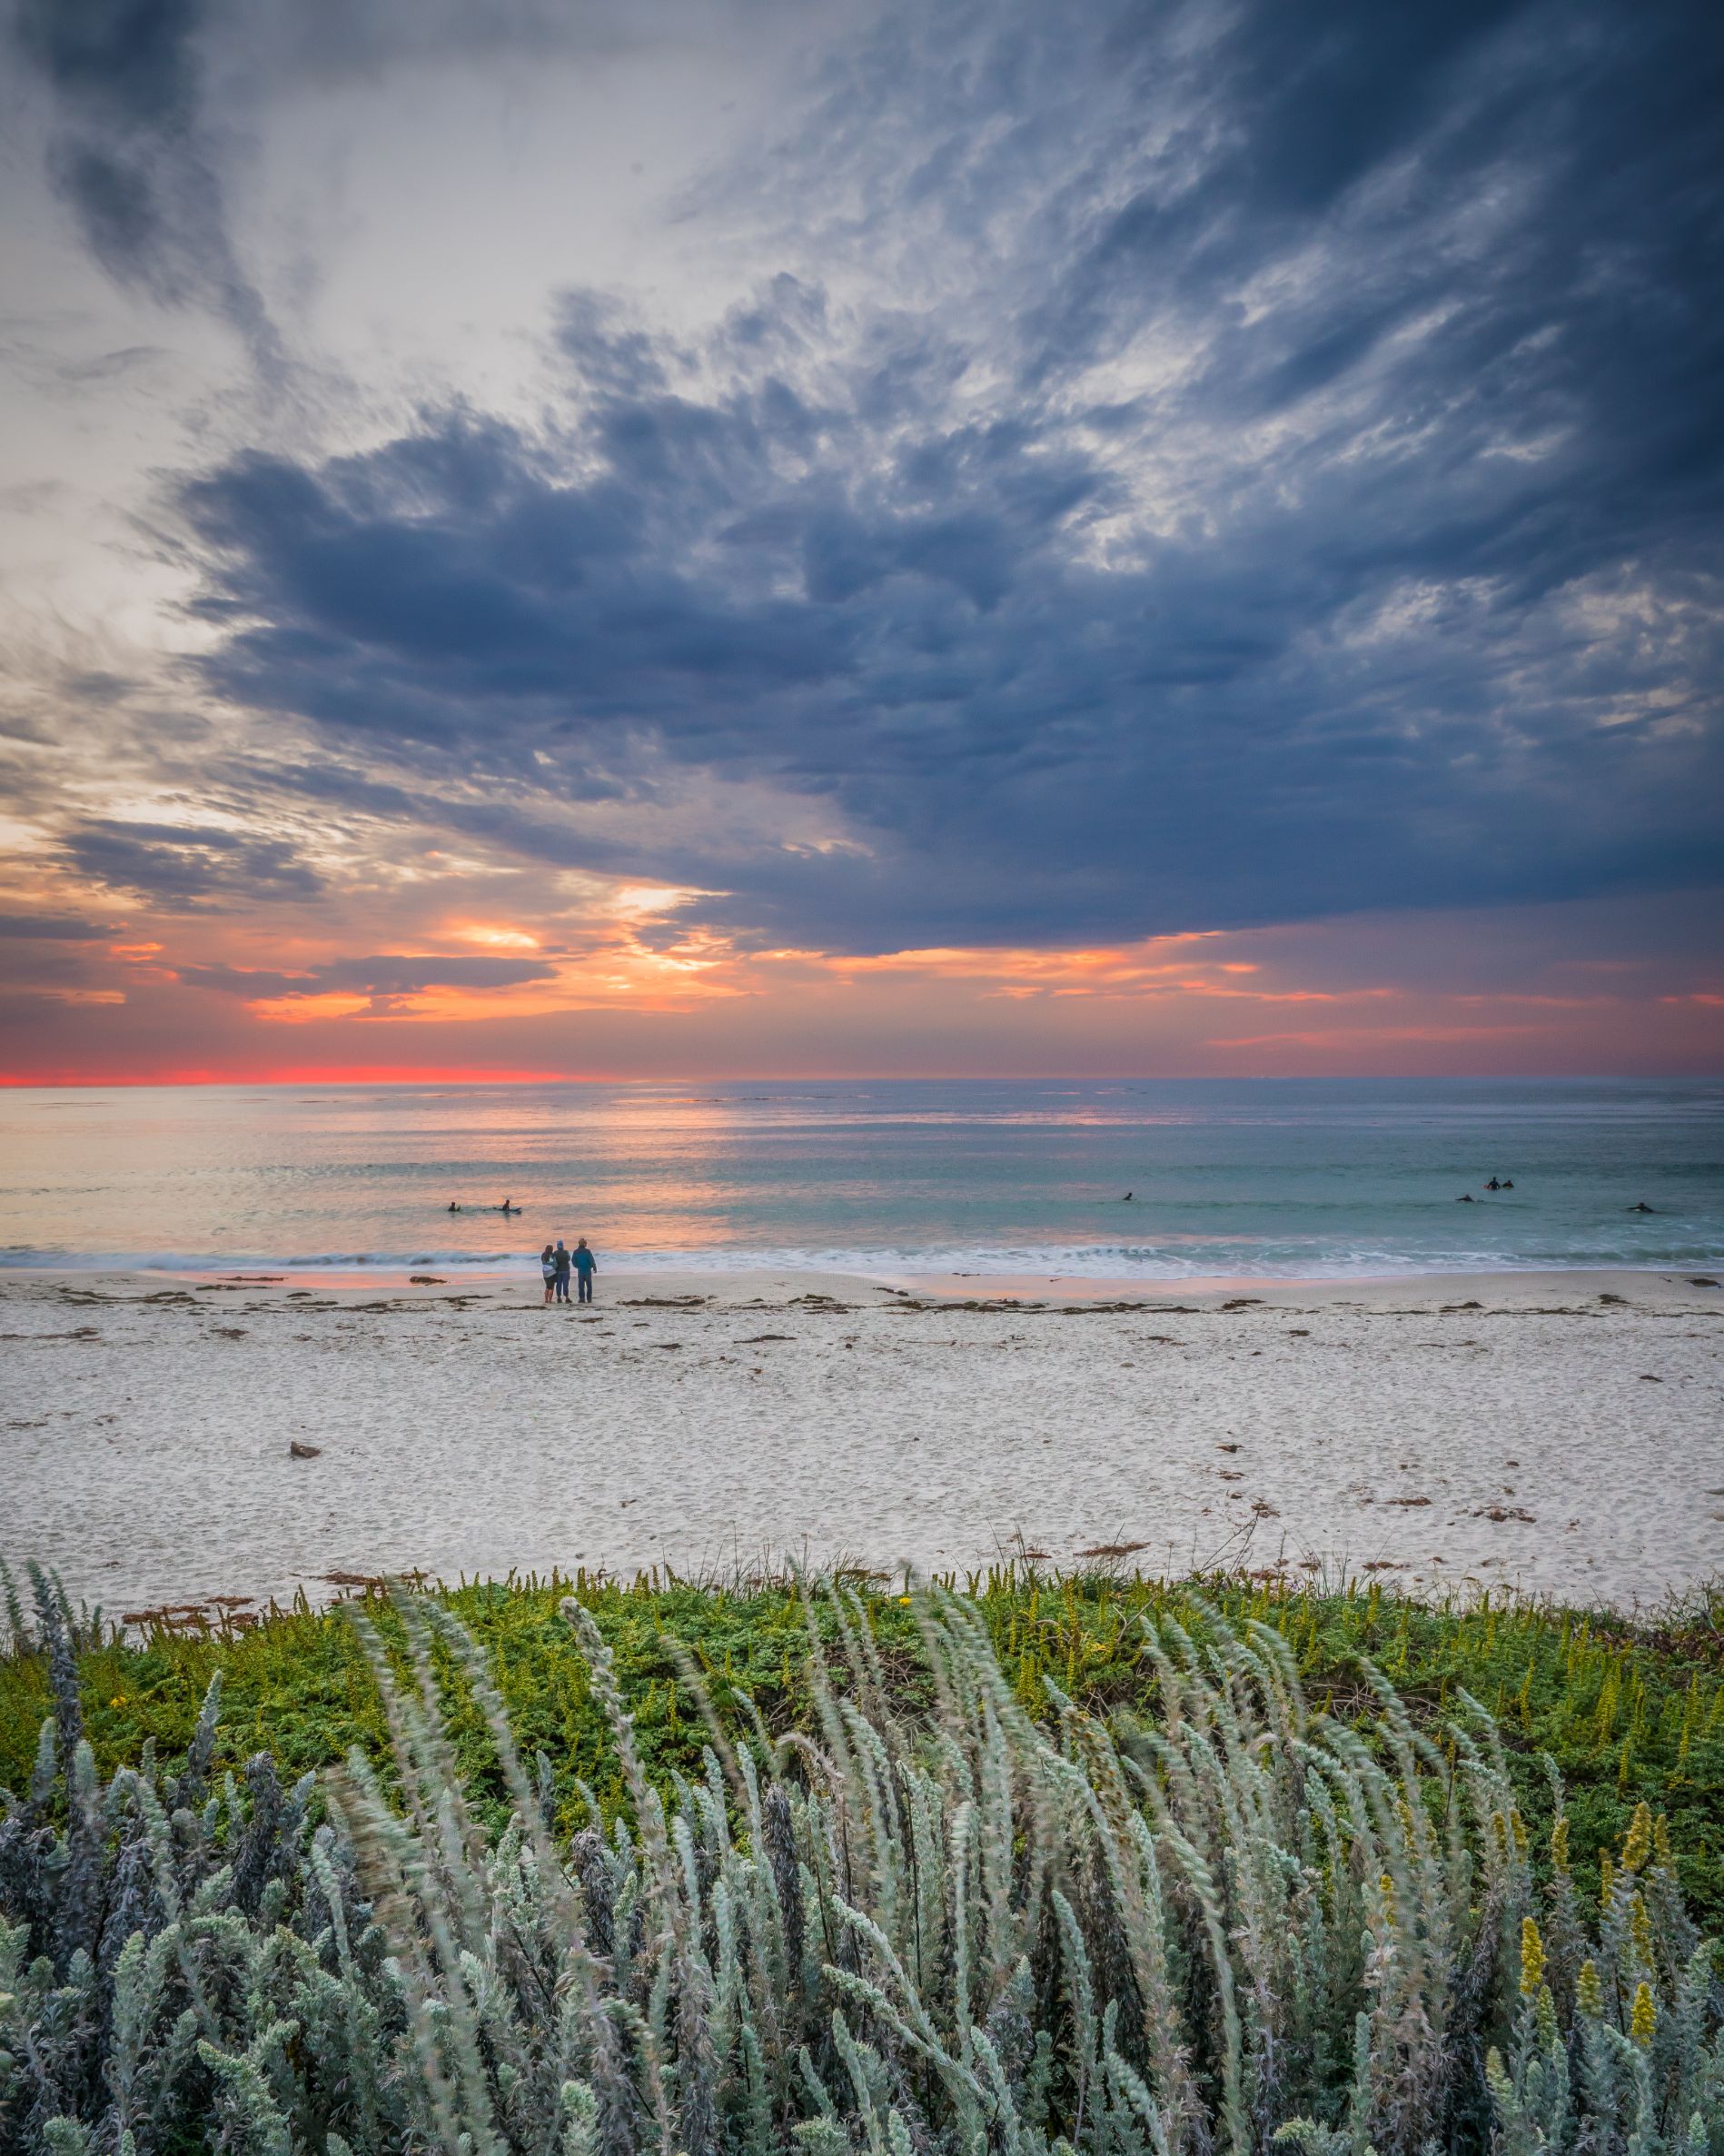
{"x":1558,"y":1433}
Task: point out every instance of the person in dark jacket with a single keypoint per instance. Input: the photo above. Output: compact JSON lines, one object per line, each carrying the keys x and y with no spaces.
{"x":562,"y":1271}
{"x":586,"y":1265}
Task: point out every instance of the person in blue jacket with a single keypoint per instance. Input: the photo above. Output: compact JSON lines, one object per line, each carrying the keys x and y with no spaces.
{"x":586,"y":1265}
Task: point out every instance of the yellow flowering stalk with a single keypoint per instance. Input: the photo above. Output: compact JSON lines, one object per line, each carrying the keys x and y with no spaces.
{"x":1661,"y":1841}
{"x":1559,"y":1847}
{"x":1589,"y":1992}
{"x":1531,"y":1959}
{"x":1641,"y":1931}
{"x":1644,"y":2019}
{"x":1637,"y":1842}
{"x":1607,"y":1879}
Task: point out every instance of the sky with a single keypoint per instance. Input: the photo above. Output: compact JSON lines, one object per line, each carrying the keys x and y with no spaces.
{"x":735,"y":537}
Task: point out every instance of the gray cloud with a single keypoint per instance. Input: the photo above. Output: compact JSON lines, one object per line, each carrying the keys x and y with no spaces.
{"x":1189,"y":469}
{"x":385,"y":978}
{"x":155,"y":102}
{"x":188,"y":867}
{"x":134,"y":156}
{"x":50,"y":928}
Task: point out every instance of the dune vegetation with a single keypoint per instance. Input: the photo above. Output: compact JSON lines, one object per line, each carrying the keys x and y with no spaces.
{"x":1095,"y":1863}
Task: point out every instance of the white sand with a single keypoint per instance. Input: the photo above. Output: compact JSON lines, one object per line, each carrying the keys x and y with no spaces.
{"x":144,"y":1427}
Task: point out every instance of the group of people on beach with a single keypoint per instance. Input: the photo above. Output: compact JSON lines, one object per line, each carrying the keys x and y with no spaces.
{"x":557,"y":1262}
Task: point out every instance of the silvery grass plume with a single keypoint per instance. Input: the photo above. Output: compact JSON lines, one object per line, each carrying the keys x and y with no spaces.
{"x":1229,"y":1925}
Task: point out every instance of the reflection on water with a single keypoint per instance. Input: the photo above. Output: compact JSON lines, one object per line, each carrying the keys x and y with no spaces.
{"x":1236,"y":1177}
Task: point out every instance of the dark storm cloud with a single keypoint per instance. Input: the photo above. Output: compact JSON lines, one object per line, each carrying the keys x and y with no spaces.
{"x":1586,"y":313}
{"x":1295,"y":489}
{"x":175,"y":866}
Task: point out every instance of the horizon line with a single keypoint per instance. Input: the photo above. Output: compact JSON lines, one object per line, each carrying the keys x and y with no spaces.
{"x":552,"y":1078}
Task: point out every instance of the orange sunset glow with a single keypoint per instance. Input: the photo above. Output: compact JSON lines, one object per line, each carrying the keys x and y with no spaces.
{"x":626,"y":985}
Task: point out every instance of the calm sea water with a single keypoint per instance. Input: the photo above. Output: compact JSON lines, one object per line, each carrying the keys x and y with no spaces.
{"x":1292,"y":1177}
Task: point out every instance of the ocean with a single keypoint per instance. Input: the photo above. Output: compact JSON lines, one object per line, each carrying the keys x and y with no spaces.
{"x":1295,"y":1179}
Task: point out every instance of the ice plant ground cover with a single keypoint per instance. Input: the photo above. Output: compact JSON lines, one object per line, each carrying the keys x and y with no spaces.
{"x":962,"y":1906}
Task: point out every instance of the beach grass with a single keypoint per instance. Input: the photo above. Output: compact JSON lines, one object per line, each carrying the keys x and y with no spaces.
{"x":1629,"y":1710}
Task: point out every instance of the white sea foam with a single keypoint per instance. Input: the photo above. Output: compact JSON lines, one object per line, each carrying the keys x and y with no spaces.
{"x":1098,"y":1261}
